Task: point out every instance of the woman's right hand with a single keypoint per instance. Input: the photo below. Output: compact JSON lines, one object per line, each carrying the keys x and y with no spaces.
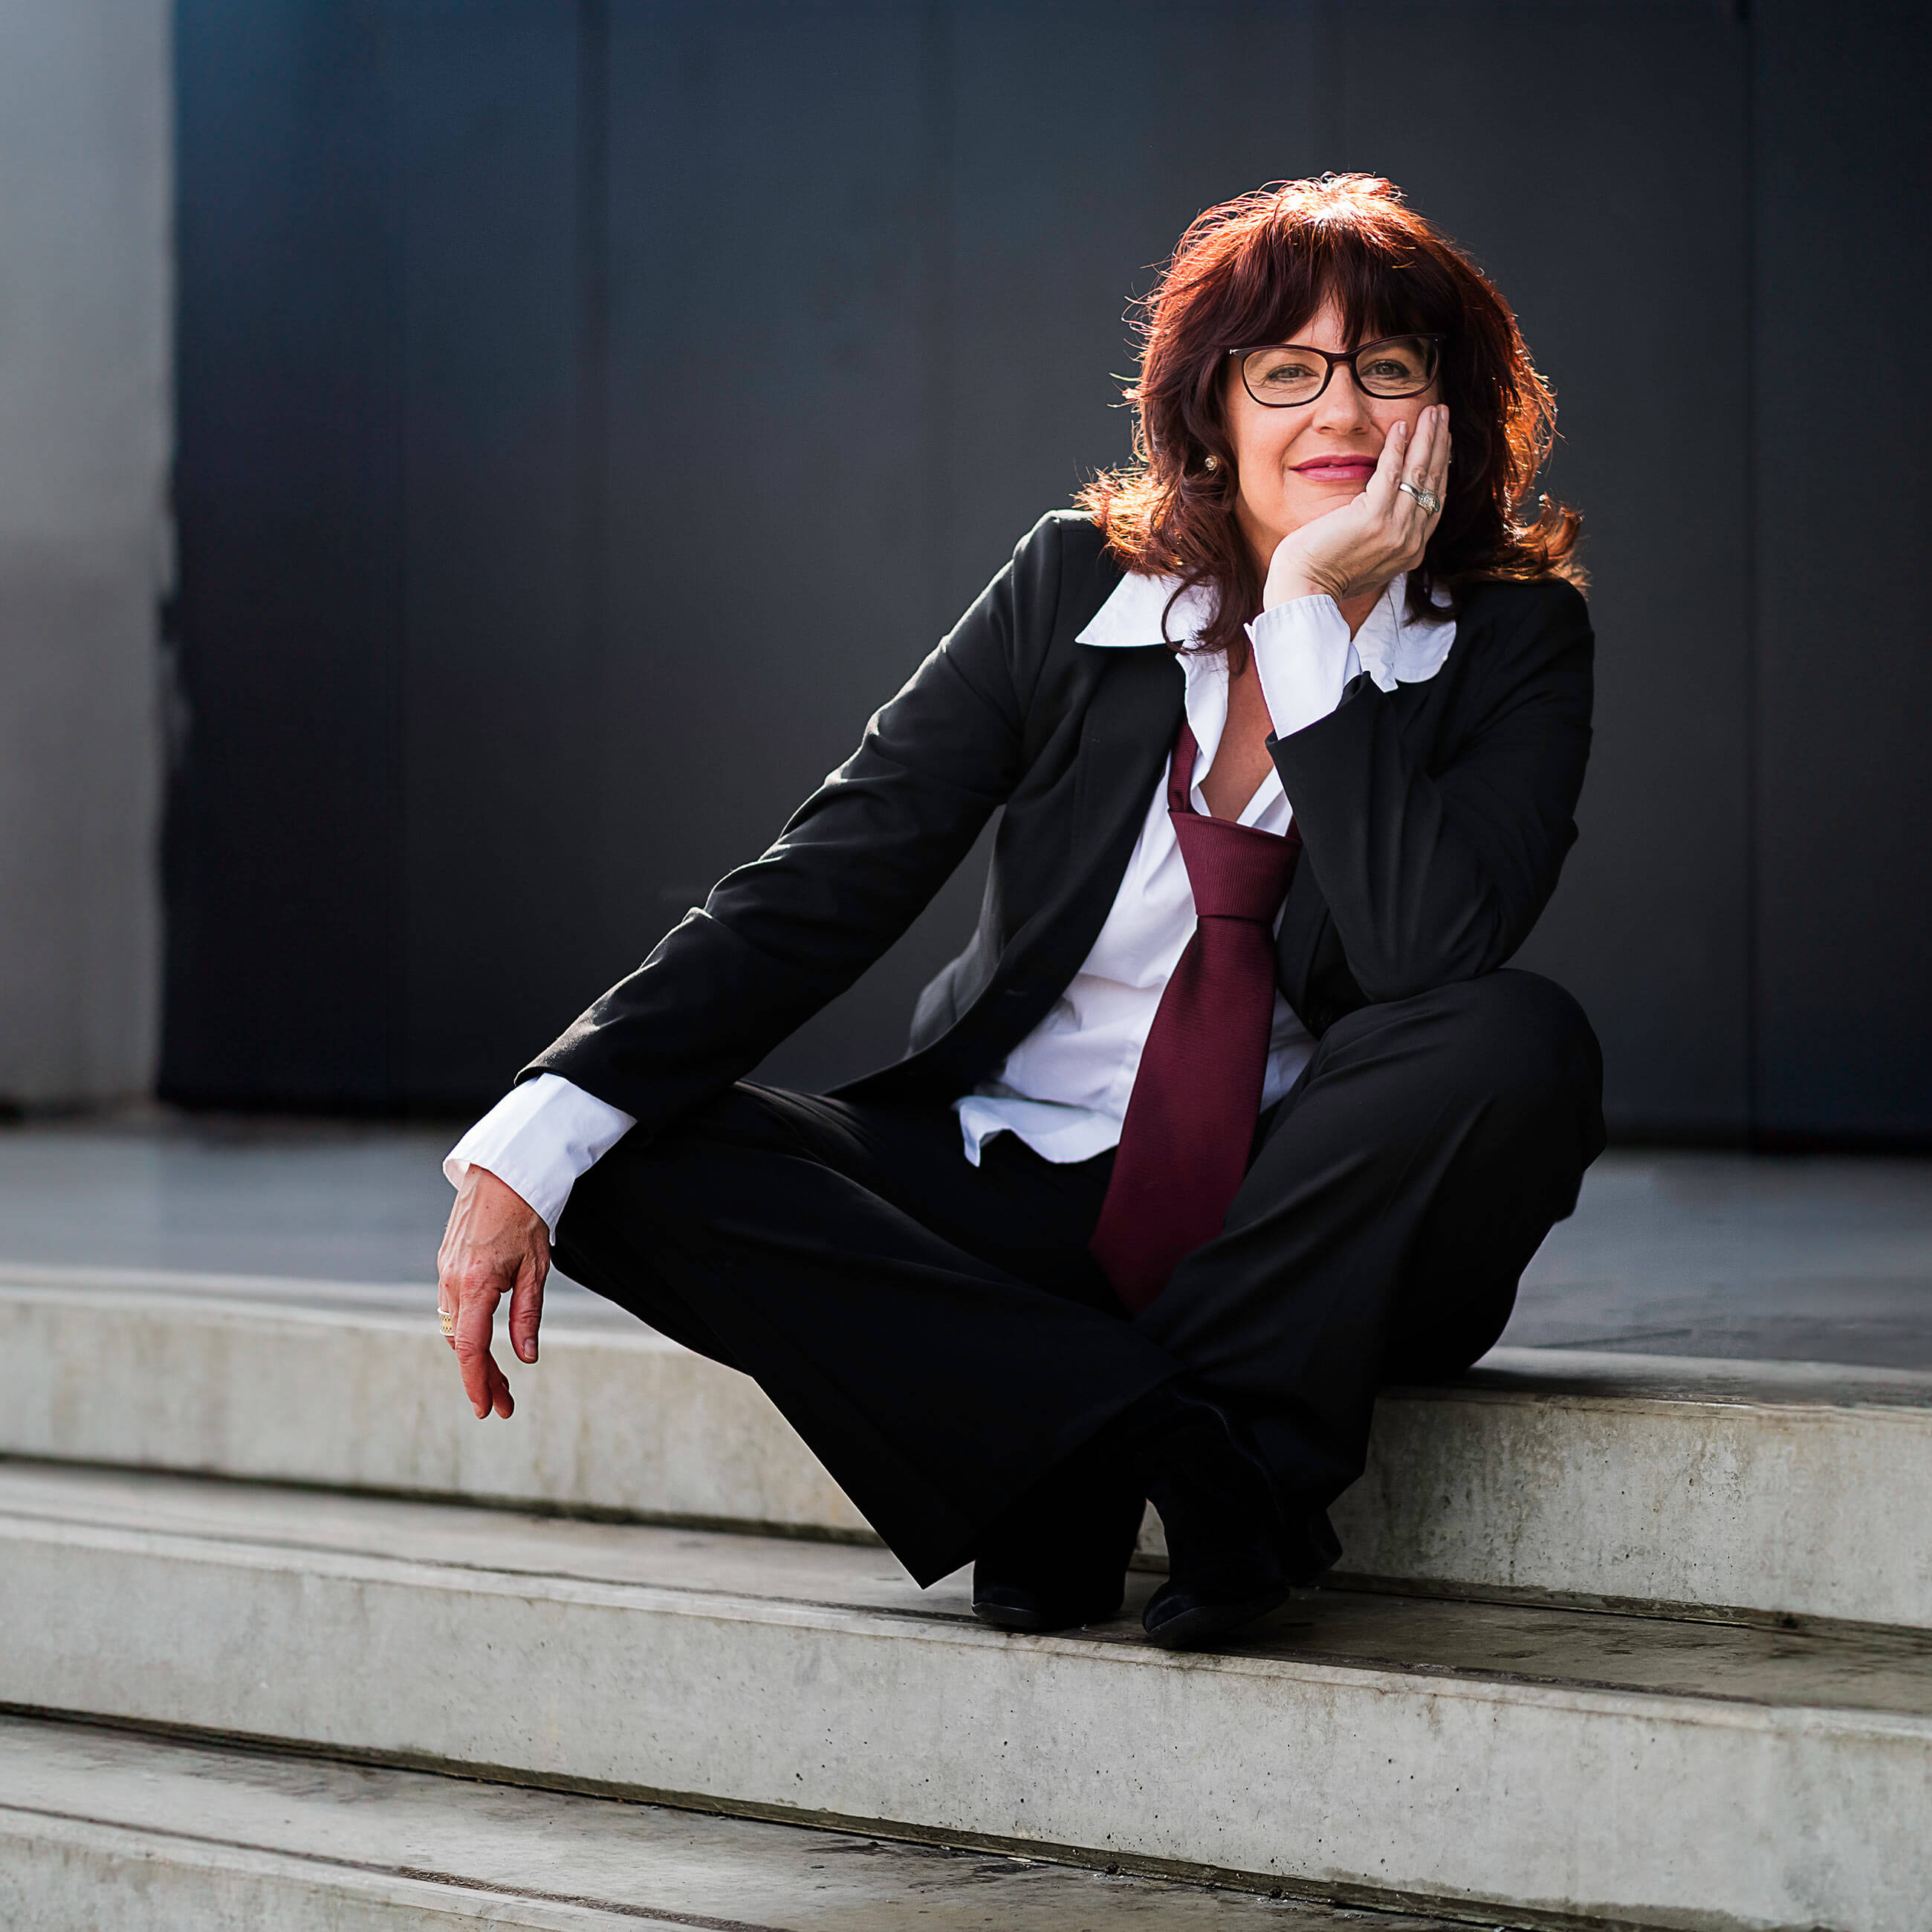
{"x":496,"y":1244}
{"x":1354,"y":552}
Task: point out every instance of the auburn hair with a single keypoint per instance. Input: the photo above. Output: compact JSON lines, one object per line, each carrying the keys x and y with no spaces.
{"x":1255,"y":269}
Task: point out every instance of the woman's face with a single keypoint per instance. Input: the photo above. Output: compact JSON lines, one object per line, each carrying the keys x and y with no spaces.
{"x":1295,"y":464}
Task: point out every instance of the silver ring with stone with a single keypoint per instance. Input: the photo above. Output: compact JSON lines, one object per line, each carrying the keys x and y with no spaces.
{"x":1428,"y":499}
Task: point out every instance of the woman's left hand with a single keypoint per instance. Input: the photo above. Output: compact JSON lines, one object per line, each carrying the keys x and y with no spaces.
{"x":1357,"y":550}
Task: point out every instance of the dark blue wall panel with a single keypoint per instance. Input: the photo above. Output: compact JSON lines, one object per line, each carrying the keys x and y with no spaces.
{"x":591,"y":409}
{"x":498,"y":647}
{"x":772,"y":526}
{"x":284,"y":864}
{"x":1843,"y":930}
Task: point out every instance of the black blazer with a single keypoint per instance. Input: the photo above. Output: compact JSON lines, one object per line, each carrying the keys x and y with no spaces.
{"x":1435,"y":819}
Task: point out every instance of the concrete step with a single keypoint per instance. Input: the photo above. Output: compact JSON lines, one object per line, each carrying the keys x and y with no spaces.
{"x":113,"y":1829}
{"x":1485,"y":1760}
{"x":351,"y":1387}
{"x":1766,"y":1490}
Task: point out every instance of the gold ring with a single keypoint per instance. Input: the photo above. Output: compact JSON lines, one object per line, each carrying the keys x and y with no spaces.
{"x":448,"y":1320}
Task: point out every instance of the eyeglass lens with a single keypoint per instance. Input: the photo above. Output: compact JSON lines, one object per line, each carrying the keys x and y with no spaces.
{"x":1402,"y":366}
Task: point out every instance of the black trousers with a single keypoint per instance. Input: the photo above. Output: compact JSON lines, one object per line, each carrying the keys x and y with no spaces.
{"x":940,"y":1336}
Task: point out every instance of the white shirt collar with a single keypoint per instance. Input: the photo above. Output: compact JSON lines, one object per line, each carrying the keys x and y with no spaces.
{"x":1133,"y":616}
{"x":1393,"y":647}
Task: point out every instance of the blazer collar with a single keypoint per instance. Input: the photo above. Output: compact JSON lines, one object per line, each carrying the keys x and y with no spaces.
{"x":1125,"y":738}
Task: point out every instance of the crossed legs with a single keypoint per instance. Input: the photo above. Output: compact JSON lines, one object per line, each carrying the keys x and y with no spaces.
{"x":940,"y":1336}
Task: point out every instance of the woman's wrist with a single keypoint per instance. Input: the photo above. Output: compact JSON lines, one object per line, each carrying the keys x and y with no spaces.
{"x":1292,"y":575}
{"x":1302,"y":651}
{"x":1290,"y":588}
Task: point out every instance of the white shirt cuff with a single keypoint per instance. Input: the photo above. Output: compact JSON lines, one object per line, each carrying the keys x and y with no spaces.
{"x":1054,"y":1131}
{"x":1304,"y":655}
{"x":538,"y":1139}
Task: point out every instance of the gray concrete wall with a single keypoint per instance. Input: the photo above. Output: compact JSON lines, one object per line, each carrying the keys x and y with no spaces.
{"x":85,"y":301}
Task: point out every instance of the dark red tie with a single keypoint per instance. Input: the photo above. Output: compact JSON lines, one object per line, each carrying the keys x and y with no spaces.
{"x":1190,"y":1123}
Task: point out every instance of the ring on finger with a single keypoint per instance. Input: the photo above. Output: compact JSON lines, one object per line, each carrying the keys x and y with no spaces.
{"x":1425,"y":497}
{"x":448,"y":1318}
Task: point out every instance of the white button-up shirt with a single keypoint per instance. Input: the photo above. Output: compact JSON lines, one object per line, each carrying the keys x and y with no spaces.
{"x":1064,"y":1090}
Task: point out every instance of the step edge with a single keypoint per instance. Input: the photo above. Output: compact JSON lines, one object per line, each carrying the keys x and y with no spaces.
{"x":364,"y":1882}
{"x":1727,"y":1379}
{"x":883,"y":1623}
{"x":1505,"y":1376}
{"x":1473,"y":1590}
{"x":1462,"y":1909}
{"x":1663,"y":1610}
{"x":194,"y":1283}
{"x":237,"y":1310}
{"x":502,"y":1503}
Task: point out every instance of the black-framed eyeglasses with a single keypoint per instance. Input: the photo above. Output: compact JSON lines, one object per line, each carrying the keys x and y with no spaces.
{"x":1285,"y":373}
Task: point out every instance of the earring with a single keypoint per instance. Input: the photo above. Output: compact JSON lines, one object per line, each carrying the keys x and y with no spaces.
{"x":1211,"y":462}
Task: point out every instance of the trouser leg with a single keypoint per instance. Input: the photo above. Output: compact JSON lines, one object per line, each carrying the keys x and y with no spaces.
{"x":1398,"y":1193}
{"x":936,"y":1333}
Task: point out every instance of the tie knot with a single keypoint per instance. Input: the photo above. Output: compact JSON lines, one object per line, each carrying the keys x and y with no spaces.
{"x":1236,"y":872}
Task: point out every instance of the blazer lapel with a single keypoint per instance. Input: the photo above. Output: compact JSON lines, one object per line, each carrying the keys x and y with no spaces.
{"x":1307,"y":949}
{"x":1129,"y":731}
{"x":1303,"y":921}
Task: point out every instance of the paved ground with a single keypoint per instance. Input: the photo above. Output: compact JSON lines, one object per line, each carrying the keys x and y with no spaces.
{"x":1791,"y":1257}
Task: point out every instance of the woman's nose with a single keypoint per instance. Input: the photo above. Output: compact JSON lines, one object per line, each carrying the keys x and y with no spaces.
{"x":1342,"y":405}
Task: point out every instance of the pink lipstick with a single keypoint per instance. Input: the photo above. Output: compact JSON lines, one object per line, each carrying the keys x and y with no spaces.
{"x":1337,"y":469}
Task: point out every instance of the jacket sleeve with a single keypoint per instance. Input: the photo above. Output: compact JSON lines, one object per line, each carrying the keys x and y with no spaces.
{"x":779,"y":938}
{"x":1433,"y":875}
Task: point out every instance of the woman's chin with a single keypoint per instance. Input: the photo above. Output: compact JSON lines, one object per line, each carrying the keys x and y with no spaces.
{"x":1308,"y":496}
{"x":1302,"y":501}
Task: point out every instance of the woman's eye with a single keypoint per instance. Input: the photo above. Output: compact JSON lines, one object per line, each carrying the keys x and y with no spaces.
{"x":1287,"y":372}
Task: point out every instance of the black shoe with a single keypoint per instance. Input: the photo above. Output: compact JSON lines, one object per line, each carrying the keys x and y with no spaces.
{"x":1232,"y":1556}
{"x":1058,"y":1558}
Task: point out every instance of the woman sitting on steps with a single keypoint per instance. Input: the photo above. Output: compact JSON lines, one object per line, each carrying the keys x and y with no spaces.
{"x":1230,"y":1111}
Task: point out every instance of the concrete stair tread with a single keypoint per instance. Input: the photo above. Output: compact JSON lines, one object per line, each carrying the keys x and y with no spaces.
{"x":576,"y":1316}
{"x":1770,"y":1490}
{"x":1577,"y":1651}
{"x":1565,"y":1374}
{"x":88,"y":1811}
{"x":567,"y":1305}
{"x":1504,"y":1762}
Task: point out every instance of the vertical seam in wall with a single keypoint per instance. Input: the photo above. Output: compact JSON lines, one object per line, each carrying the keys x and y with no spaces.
{"x":1753,"y":724}
{"x":935,"y":318}
{"x":592,"y":410}
{"x":393,"y":127}
{"x":166,"y":687}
